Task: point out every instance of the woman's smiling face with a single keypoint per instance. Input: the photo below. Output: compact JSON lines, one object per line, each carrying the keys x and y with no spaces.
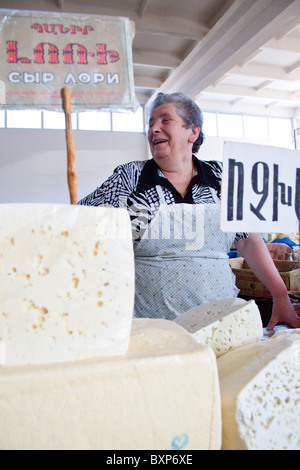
{"x":167,"y":135}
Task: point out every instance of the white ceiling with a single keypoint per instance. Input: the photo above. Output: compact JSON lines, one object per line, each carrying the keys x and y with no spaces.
{"x":229,"y":55}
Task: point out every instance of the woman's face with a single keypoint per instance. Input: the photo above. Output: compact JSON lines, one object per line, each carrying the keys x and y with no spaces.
{"x":167,"y":135}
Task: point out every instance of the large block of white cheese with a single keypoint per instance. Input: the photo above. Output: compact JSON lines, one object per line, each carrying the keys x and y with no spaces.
{"x":260,"y":392}
{"x":224,"y":324}
{"x":66,"y":282}
{"x":162,"y":394}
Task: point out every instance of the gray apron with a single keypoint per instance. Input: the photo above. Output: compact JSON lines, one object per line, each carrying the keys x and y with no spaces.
{"x":181,"y":260}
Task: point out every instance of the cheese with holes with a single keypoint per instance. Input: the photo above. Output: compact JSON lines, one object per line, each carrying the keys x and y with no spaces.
{"x":224,"y":324}
{"x":260,"y":394}
{"x":162,"y":394}
{"x":66,"y":282}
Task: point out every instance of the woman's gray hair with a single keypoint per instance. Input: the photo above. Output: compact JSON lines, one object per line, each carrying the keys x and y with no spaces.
{"x":187,"y":109}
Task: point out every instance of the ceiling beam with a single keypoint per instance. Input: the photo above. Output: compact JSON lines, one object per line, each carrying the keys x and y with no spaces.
{"x":249,"y":92}
{"x":246,"y":107}
{"x":268,"y":72}
{"x":292,"y":68}
{"x":142,"y":7}
{"x":244,"y":28}
{"x":150,"y":83}
{"x":290,"y":27}
{"x":168,"y":33}
{"x":170,"y":26}
{"x":235,"y":101}
{"x":285,"y":44}
{"x":155,"y":59}
{"x":263,"y":85}
{"x":249,"y":58}
{"x":221,"y":11}
{"x":271,"y":104}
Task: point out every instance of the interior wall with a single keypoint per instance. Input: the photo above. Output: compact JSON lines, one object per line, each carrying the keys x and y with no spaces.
{"x":33,"y":162}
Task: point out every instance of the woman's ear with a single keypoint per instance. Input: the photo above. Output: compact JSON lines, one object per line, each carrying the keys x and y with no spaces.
{"x":195,"y":131}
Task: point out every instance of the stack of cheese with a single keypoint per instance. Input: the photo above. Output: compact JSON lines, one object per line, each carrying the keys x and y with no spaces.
{"x":259,"y":377}
{"x":261,"y":394}
{"x":77,"y":372}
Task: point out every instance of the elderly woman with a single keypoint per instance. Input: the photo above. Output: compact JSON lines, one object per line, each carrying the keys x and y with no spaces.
{"x":174,"y":204}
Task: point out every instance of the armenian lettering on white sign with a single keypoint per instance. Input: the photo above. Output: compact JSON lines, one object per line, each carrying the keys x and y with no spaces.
{"x":41,"y":53}
{"x":260,"y":189}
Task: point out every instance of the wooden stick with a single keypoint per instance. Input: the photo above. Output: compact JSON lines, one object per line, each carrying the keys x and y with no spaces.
{"x":72,"y":175}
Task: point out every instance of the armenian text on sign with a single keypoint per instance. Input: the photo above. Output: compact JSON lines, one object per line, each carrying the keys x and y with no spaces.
{"x":40,"y":53}
{"x":260,"y":189}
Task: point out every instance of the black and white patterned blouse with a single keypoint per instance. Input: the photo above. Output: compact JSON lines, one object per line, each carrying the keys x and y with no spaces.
{"x":133,"y":185}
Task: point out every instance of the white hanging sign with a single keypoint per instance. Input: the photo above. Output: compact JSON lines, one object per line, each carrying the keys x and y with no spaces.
{"x":43,"y":52}
{"x":260,"y":189}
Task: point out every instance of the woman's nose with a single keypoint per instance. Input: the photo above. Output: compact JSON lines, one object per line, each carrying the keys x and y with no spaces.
{"x":155,"y":127}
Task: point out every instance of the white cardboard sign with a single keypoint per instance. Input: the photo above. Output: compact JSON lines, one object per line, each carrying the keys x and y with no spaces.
{"x":42,"y":52}
{"x":260,"y":189}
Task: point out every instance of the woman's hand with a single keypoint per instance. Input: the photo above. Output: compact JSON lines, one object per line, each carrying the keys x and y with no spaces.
{"x":255,"y":252}
{"x":283,"y":312}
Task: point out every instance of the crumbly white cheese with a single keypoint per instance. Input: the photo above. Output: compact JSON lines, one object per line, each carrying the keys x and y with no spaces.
{"x":260,"y":392}
{"x":162,"y":394}
{"x":66,"y":282}
{"x":224,"y":324}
